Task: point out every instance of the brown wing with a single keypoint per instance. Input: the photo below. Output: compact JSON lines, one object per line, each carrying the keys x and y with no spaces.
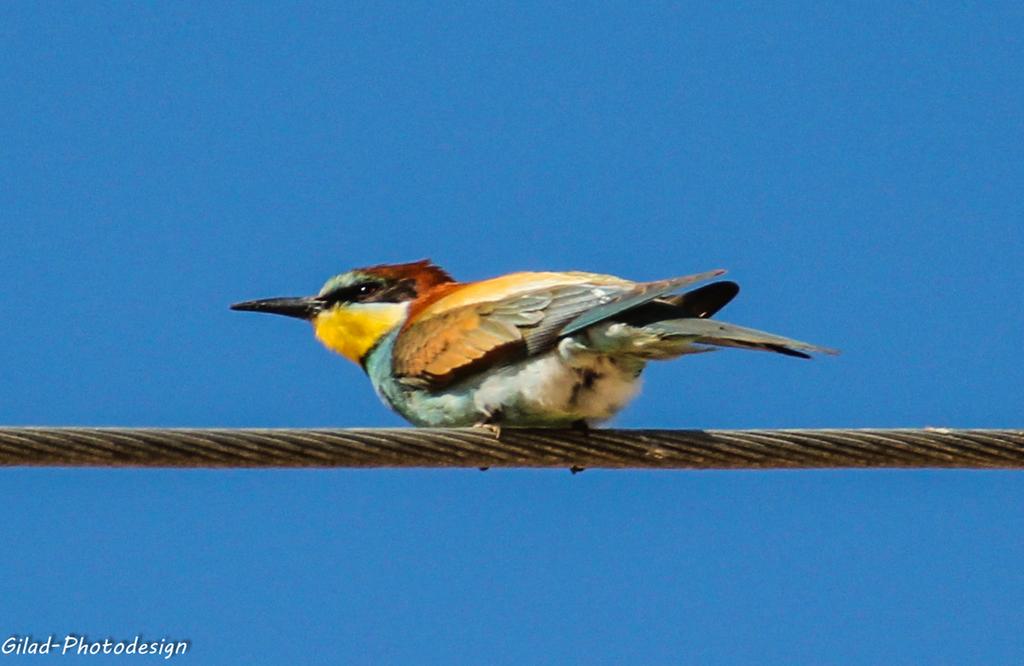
{"x":443,"y":348}
{"x":440,"y":349}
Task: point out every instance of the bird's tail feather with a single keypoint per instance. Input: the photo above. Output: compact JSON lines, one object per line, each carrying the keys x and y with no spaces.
{"x":689,"y":335}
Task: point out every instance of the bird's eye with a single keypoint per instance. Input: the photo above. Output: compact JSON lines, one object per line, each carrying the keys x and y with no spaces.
{"x":352,"y":293}
{"x":365,"y":291}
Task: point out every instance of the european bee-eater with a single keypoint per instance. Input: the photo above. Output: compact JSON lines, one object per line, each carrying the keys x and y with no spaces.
{"x":524,"y":349}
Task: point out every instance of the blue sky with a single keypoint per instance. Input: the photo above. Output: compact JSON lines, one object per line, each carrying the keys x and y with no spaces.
{"x":857,"y":168}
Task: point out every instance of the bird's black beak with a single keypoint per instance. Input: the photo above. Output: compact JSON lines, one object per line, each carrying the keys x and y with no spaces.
{"x":304,"y":307}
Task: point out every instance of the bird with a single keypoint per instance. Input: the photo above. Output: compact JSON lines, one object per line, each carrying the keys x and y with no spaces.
{"x":527,"y":349}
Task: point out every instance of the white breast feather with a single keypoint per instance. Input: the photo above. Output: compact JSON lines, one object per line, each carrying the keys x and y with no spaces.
{"x":548,"y":387}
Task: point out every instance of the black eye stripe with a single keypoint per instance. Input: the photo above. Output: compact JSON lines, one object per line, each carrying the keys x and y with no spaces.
{"x":403,"y":290}
{"x":351,"y":293}
{"x":372,"y":292}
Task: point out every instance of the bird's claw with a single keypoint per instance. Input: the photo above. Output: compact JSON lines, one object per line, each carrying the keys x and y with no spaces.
{"x":492,"y":428}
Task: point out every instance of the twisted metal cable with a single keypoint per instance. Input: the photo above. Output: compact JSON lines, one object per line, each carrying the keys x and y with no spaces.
{"x":515,"y":447}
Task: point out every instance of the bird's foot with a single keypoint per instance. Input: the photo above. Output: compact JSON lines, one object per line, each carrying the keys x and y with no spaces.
{"x":491,"y":423}
{"x":581,"y":426}
{"x":492,"y":428}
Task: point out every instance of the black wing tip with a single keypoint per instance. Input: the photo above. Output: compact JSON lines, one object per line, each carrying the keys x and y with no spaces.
{"x":786,"y":351}
{"x":706,"y":301}
{"x":782,"y":349}
{"x":725,"y":291}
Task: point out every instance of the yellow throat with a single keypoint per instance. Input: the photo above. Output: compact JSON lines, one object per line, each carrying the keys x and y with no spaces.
{"x":352,"y":330}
